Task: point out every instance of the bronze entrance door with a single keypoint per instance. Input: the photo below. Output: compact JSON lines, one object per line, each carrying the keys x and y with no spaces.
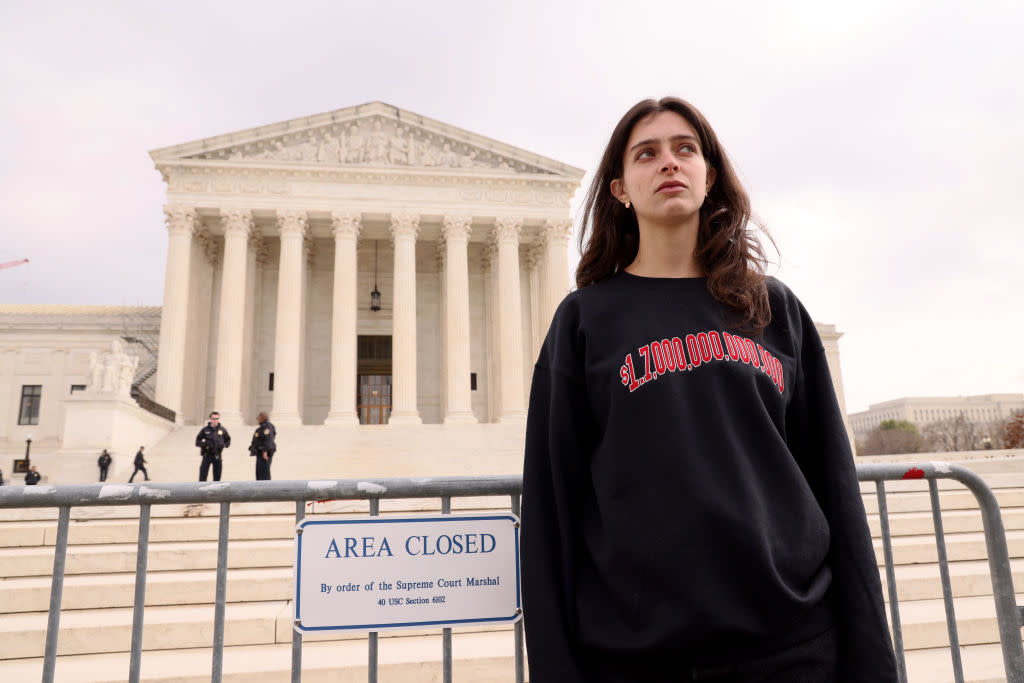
{"x":373,"y":396}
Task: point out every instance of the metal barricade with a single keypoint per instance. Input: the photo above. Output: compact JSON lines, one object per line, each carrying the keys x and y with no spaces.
{"x":373,"y":490}
{"x":145,"y":495}
{"x":1007,"y":614}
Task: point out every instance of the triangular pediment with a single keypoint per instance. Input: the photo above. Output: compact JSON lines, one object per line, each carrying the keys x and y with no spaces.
{"x":369,"y":135}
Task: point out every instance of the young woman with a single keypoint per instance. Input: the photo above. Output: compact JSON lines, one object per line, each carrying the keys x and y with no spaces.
{"x":690,"y":505}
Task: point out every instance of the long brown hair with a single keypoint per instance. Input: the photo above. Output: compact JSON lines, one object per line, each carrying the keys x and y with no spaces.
{"x":728,"y":250}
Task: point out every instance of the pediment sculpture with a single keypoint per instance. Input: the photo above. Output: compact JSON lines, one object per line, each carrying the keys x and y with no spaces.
{"x":374,"y":141}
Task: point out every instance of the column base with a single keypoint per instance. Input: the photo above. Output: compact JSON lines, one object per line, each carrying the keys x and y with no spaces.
{"x":462,"y":418}
{"x":290,"y":419}
{"x":517,"y":417}
{"x":410,"y":418}
{"x":342,"y":419}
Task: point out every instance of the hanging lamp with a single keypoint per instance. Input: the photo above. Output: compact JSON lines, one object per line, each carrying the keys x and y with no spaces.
{"x":375,"y":294}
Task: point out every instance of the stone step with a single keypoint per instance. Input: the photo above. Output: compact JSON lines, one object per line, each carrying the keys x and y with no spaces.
{"x":119,"y":558}
{"x":953,"y":521}
{"x":167,"y":627}
{"x":924,"y":622}
{"x":959,"y":547}
{"x":968,"y":578}
{"x":962,"y":499}
{"x":478,"y":657}
{"x":95,"y":591}
{"x":981,"y":664}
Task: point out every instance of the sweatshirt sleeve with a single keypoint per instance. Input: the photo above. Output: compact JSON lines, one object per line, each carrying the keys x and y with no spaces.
{"x":553,"y":477}
{"x":818,"y":439}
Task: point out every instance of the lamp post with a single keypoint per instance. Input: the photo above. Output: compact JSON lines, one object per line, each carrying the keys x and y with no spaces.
{"x":28,"y":448}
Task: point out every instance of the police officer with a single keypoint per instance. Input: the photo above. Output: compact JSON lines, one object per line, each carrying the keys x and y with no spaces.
{"x":211,"y":440}
{"x":32,"y":477}
{"x":263,"y":446}
{"x":104,"y":463}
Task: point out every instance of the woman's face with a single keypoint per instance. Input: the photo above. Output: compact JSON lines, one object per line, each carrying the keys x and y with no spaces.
{"x":664,"y":175}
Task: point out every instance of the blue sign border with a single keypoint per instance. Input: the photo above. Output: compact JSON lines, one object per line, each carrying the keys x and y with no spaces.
{"x":401,"y":624}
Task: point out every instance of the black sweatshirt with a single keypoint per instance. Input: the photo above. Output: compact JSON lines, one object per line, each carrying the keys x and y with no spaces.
{"x":689,"y":490}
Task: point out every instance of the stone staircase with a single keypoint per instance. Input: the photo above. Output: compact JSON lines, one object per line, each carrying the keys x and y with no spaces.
{"x":99,"y":590}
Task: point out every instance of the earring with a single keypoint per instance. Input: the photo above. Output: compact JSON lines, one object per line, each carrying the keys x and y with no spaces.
{"x":627,"y":203}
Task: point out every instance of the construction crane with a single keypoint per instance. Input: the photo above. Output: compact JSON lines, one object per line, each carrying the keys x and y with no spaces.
{"x":11,"y":264}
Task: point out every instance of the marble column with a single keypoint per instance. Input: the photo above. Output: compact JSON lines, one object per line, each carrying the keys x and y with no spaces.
{"x":343,"y":320}
{"x":288,"y":332}
{"x":456,"y":231}
{"x":556,"y":234}
{"x":238,"y":226}
{"x":510,"y":320}
{"x":182,"y":223}
{"x":404,"y":229}
{"x":534,"y":263}
{"x":488,"y":261}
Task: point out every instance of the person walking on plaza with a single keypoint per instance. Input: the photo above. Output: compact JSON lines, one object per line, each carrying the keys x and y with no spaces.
{"x":32,"y":477}
{"x":263,"y":446}
{"x":211,"y":440}
{"x":104,"y":463}
{"x":690,"y":506}
{"x":140,"y":465}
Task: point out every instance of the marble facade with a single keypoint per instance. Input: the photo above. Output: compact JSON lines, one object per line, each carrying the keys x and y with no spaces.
{"x":277,"y":235}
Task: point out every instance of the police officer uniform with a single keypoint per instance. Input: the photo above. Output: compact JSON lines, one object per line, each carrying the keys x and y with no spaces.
{"x":104,"y":463}
{"x":211,"y":441}
{"x":263,"y":441}
{"x":32,"y":478}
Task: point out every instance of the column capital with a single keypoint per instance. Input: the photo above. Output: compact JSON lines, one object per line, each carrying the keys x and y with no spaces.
{"x":488,"y":255}
{"x":291,"y":222}
{"x":557,"y":230}
{"x":237,"y":221}
{"x":209,"y":246}
{"x":346,"y":224}
{"x":259,"y":246}
{"x":456,"y":227}
{"x":507,"y":228}
{"x":405,"y":225}
{"x":181,"y":219}
{"x":533,"y":257}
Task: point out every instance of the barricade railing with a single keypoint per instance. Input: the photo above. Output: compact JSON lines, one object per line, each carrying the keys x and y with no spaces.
{"x":445,"y":488}
{"x":145,"y":495}
{"x":1008,"y":616}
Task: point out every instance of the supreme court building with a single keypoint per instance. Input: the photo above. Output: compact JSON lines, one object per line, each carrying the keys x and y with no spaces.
{"x":280,"y":235}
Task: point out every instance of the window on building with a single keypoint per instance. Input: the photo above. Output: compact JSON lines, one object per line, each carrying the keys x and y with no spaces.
{"x":472,"y":381}
{"x":31,"y":395}
{"x":77,"y":387}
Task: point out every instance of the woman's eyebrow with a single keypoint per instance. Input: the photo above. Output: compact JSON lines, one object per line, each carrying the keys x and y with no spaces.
{"x":651,"y":141}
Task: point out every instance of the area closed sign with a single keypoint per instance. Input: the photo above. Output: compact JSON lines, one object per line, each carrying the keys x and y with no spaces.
{"x":377,"y":573}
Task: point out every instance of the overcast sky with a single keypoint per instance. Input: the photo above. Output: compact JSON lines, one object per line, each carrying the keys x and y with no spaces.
{"x":881,"y":142}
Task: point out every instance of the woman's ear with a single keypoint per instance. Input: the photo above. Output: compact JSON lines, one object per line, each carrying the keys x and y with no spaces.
{"x":711,"y":178}
{"x":617,"y":190}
